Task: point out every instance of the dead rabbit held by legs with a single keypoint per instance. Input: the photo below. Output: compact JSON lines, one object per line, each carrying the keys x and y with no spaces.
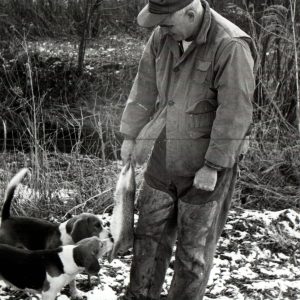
{"x":123,"y":212}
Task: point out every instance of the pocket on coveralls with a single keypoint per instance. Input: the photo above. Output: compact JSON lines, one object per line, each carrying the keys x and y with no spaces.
{"x":202,"y":68}
{"x":200,"y":111}
{"x":200,"y":117}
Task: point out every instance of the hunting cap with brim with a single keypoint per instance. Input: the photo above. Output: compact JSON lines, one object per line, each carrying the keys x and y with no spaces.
{"x":157,"y":10}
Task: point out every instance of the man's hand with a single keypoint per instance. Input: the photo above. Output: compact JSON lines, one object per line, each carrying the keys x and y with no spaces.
{"x":206,"y":179}
{"x":127,"y":150}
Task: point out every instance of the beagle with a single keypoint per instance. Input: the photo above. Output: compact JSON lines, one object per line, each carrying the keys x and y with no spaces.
{"x":37,"y":234}
{"x":48,"y":271}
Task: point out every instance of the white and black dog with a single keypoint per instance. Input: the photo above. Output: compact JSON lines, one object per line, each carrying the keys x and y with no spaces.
{"x":48,"y":271}
{"x":38,"y":234}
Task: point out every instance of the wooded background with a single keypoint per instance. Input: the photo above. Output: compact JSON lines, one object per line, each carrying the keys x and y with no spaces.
{"x":71,"y":100}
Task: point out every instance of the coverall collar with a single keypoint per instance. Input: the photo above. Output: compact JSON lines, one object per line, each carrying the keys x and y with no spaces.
{"x":205,"y":25}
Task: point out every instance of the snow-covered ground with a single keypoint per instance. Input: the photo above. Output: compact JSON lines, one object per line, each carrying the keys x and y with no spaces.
{"x":257,"y":258}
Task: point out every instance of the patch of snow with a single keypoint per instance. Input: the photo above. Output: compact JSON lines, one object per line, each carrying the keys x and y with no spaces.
{"x":101,"y":293}
{"x":26,"y":194}
{"x":64,"y":194}
{"x":244,"y":272}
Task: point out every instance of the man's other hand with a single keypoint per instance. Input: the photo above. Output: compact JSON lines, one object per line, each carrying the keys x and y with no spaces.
{"x":206,"y":179}
{"x":127,"y":150}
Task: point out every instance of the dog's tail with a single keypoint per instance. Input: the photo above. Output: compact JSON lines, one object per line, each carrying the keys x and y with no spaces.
{"x":9,"y":193}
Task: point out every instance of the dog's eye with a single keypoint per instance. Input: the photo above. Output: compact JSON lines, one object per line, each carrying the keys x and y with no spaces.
{"x":98,"y":225}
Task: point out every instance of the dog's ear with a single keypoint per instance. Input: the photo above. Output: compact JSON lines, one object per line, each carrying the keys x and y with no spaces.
{"x":79,"y":230}
{"x":94,"y":247}
{"x":86,"y":255}
{"x":92,"y":266}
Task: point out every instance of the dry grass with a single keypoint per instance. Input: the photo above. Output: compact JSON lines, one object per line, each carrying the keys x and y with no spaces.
{"x":65,"y":126}
{"x":66,"y":184}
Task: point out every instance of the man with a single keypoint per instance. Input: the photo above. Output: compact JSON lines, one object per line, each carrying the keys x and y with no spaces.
{"x":191,"y":98}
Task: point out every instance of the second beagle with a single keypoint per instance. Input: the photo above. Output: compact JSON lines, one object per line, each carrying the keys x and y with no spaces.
{"x":48,"y":271}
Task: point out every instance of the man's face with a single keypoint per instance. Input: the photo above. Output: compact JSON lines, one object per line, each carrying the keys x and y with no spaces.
{"x":180,"y":25}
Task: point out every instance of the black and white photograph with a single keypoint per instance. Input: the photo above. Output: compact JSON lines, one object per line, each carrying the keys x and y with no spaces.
{"x":149,"y":150}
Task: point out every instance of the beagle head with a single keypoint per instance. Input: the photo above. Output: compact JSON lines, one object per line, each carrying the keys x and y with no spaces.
{"x":86,"y":225}
{"x":88,"y":251}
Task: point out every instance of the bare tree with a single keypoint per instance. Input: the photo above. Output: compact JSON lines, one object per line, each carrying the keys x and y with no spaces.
{"x":91,"y":7}
{"x":293,"y":14}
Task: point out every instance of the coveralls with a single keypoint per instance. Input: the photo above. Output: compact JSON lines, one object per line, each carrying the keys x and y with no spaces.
{"x":196,"y":109}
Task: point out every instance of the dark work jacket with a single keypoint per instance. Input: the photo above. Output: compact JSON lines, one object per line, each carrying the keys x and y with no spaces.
{"x":203,"y":98}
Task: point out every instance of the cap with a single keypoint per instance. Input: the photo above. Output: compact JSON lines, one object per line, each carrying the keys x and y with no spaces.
{"x":157,"y":10}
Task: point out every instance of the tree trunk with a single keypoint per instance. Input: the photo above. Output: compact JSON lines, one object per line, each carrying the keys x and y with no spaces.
{"x":82,"y":44}
{"x":90,"y":9}
{"x":293,"y":17}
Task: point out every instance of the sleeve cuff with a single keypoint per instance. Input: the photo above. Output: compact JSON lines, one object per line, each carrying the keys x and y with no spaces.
{"x":213,"y":166}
